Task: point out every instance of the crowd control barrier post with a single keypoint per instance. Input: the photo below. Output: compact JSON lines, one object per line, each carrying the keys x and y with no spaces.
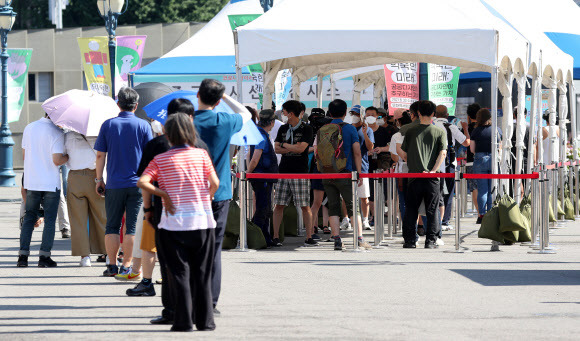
{"x":560,"y":189}
{"x":398,"y":216}
{"x":571,"y":182}
{"x":379,"y":212}
{"x":243,"y":203}
{"x":355,"y":225}
{"x":545,"y":212}
{"x":390,"y":206}
{"x":458,"y":206}
{"x":576,"y":189}
{"x":535,"y":221}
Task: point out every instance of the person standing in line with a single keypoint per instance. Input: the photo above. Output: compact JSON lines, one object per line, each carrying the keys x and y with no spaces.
{"x":401,"y":165}
{"x":424,"y":149}
{"x":481,"y":148}
{"x":292,"y":142}
{"x":83,"y":203}
{"x":187,"y":182}
{"x":216,"y":130}
{"x":43,"y":152}
{"x":472,"y":110}
{"x":120,"y":144}
{"x":263,"y":160}
{"x":366,"y":141}
{"x":453,"y":134}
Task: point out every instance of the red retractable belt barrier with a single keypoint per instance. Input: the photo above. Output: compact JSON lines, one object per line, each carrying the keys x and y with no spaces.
{"x":501,"y":176}
{"x":296,"y":176}
{"x":408,"y":175}
{"x":551,"y":166}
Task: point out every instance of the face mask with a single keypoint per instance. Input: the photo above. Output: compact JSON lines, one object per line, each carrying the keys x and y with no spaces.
{"x":380,"y":121}
{"x":284,"y":119}
{"x":371,"y":120}
{"x":355,"y":119}
{"x":157,"y":127}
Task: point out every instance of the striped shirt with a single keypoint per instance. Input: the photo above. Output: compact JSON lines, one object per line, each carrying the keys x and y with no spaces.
{"x":183,"y":172}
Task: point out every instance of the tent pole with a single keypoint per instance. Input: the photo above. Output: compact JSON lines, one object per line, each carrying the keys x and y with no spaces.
{"x":238,"y":69}
{"x":574,"y":189}
{"x":532,"y":127}
{"x":332,"y":87}
{"x":495,"y":146}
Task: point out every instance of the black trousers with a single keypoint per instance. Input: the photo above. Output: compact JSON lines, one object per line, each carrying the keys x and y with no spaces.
{"x":220,"y":215}
{"x":417,"y":191}
{"x":263,"y":192}
{"x":166,"y":294}
{"x":189,"y":261}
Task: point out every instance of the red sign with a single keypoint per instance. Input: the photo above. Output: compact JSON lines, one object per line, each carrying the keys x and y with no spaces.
{"x":402,"y":80}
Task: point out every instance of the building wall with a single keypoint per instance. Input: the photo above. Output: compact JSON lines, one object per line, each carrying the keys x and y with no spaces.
{"x":56,"y":54}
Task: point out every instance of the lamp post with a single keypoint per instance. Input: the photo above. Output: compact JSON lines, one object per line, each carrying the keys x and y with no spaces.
{"x":110,"y":10}
{"x":7,"y":16}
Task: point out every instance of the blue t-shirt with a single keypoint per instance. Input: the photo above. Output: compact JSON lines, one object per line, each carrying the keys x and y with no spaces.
{"x":123,"y":138}
{"x":216,"y":130}
{"x":268,"y":161}
{"x":350,"y":137}
{"x":364,"y":167}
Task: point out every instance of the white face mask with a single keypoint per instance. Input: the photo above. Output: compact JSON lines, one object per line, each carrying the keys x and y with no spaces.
{"x":381,"y":122}
{"x":284,"y":119}
{"x":157,"y":127}
{"x":355,"y":119}
{"x":371,"y":120}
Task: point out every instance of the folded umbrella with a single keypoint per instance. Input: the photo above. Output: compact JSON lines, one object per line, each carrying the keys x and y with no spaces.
{"x":157,"y":110}
{"x":80,"y":110}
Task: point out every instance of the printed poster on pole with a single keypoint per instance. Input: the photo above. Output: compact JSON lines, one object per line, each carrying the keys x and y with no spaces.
{"x":18,"y":62}
{"x":128,"y":57}
{"x":402,"y":82}
{"x":443,"y":83}
{"x":95,"y":59}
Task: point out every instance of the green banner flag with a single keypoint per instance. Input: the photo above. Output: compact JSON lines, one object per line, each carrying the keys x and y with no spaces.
{"x":238,"y":20}
{"x":443,"y":84}
{"x":18,"y":62}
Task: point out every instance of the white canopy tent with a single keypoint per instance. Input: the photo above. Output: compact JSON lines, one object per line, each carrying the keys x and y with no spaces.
{"x":326,"y":38}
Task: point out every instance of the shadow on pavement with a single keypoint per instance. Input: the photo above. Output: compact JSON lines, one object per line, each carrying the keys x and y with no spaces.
{"x":521,"y":277}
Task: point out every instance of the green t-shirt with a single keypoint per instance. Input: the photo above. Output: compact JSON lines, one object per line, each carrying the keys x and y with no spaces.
{"x":423,"y":143}
{"x":404,"y":129}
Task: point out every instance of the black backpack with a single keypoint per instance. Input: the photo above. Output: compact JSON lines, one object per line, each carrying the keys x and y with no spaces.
{"x":450,"y":158}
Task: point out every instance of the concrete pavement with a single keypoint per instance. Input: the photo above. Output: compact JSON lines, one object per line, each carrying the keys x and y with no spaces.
{"x":297,"y":293}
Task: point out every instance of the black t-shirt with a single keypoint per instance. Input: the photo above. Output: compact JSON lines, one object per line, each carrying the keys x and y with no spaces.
{"x":470,"y":128}
{"x":383,"y":137}
{"x":482,"y":138}
{"x":295,"y":162}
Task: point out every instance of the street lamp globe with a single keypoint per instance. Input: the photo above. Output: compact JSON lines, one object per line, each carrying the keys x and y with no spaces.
{"x":7,"y":17}
{"x":114,"y":6}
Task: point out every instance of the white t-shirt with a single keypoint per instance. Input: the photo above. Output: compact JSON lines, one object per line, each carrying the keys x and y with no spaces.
{"x":40,"y":140}
{"x":80,"y":151}
{"x":401,"y":165}
{"x":455,"y":132}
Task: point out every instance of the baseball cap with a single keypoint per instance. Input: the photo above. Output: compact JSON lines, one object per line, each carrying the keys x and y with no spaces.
{"x":356,"y":109}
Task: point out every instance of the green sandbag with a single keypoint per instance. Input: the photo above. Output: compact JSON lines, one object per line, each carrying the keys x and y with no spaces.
{"x":256,"y":238}
{"x":233,"y":221}
{"x":510,"y":218}
{"x":230,"y":241}
{"x":569,"y":209}
{"x":551,"y":217}
{"x":560,"y":209}
{"x":489,"y":228}
{"x":526,"y":210}
{"x":511,"y":236}
{"x":290,"y":220}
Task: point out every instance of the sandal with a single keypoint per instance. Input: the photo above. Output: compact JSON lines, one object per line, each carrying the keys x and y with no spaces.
{"x":326,"y":230}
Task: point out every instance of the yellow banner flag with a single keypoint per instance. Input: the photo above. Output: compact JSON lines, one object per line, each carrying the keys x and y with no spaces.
{"x":95,"y":59}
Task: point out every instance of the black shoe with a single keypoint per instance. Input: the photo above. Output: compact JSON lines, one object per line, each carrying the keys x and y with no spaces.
{"x":431,"y":245}
{"x":111,"y":271}
{"x":276,"y":242}
{"x":46,"y":262}
{"x":22,"y":261}
{"x":310,"y":242}
{"x":102,"y":259}
{"x":337,"y":244}
{"x":409,"y":246}
{"x":326,"y":230}
{"x":420,"y":230}
{"x":161,"y":320}
{"x":316,"y":237}
{"x":174,"y":329}
{"x":479,"y":219}
{"x":142,"y":290}
{"x":216,"y":313}
{"x":65,"y":233}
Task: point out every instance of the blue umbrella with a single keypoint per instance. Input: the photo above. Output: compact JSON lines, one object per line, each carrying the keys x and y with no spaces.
{"x":157,"y":110}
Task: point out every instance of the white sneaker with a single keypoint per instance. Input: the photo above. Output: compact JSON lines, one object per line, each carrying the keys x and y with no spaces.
{"x":439,"y":242}
{"x":446,"y":227}
{"x":86,"y":262}
{"x":366,"y":225}
{"x":345,"y":224}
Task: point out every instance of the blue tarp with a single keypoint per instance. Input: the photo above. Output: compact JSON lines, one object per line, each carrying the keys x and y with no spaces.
{"x":192,"y":65}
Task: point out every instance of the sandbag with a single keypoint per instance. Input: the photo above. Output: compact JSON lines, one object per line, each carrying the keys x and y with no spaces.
{"x":551,"y":216}
{"x":510,"y":217}
{"x":526,"y":211}
{"x":569,"y":209}
{"x":561,"y":212}
{"x":233,"y":221}
{"x":489,"y":228}
{"x":256,"y":238}
{"x":230,"y":241}
{"x":290,"y":221}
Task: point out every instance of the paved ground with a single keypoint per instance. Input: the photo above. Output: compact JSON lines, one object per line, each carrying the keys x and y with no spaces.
{"x":296,"y":293}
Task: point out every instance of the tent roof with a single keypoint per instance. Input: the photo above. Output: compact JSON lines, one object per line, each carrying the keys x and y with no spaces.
{"x":210,"y":50}
{"x":462,"y":35}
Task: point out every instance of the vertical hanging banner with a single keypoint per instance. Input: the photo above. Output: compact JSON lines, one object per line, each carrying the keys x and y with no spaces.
{"x":443,"y":84}
{"x":238,"y":20}
{"x":95,"y":59}
{"x":18,"y":62}
{"x":283,"y":85}
{"x":128,"y":57}
{"x":402,"y":82}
